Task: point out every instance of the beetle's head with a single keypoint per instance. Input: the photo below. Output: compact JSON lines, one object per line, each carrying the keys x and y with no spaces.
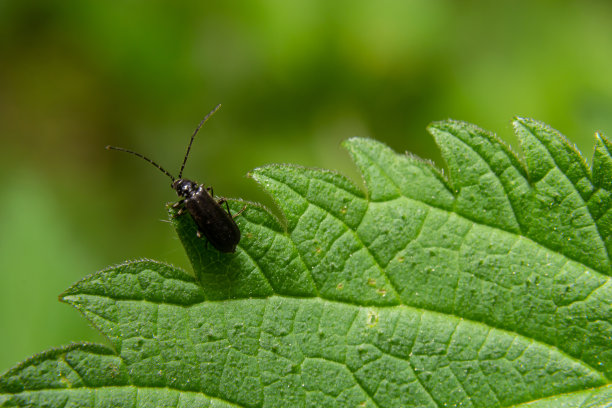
{"x":184,"y":187}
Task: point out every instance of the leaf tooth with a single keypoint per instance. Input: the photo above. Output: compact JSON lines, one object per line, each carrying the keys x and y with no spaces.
{"x":294,"y":188}
{"x":545,"y":148}
{"x":483,"y":172}
{"x":388,"y":175}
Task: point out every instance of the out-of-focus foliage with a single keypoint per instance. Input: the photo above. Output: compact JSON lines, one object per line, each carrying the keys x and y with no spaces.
{"x":295,"y":78}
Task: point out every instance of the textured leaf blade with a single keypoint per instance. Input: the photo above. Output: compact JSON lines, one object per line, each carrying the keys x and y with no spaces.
{"x":247,"y":351}
{"x":503,"y":279}
{"x":425,"y":291}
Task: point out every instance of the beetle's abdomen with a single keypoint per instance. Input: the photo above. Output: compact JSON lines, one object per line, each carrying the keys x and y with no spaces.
{"x":213,"y":221}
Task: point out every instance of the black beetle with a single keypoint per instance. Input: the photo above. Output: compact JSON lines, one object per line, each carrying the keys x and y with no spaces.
{"x":215,"y":223}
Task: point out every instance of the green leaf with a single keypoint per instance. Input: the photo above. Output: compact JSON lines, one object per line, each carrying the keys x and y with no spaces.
{"x":486,"y":288}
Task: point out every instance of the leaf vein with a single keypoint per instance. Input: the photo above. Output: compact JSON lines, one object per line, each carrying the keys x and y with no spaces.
{"x":501,"y":183}
{"x":352,"y":232}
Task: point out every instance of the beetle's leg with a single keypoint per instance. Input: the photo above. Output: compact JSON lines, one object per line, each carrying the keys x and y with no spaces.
{"x":177,"y":205}
{"x":240,"y":212}
{"x":224,"y":200}
{"x":211,"y":191}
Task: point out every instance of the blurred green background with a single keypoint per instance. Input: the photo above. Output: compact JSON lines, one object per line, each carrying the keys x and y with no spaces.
{"x":295,"y":79}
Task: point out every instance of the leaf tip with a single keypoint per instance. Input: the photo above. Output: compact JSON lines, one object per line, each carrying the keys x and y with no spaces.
{"x":259,"y":174}
{"x":522,"y":122}
{"x":601,"y":138}
{"x":352,"y":142}
{"x":452,"y":126}
{"x":440,"y":124}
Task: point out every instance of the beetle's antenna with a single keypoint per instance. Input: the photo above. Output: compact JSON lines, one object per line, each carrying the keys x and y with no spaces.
{"x":142,"y":157}
{"x":193,"y":136}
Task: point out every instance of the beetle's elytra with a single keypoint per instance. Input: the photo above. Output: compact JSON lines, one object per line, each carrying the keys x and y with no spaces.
{"x":214,"y":222}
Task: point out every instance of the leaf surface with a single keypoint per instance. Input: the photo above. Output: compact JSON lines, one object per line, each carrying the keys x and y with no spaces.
{"x":486,"y":288}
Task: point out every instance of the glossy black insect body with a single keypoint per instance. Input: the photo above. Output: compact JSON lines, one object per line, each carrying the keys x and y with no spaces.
{"x":214,"y":222}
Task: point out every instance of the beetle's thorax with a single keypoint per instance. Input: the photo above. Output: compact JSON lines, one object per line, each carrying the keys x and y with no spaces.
{"x":184,"y":187}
